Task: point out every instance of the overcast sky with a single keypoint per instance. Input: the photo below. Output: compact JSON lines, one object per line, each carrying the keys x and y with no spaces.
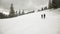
{"x":23,"y":4}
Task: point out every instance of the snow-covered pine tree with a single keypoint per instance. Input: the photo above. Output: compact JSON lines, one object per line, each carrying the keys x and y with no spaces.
{"x":19,"y":12}
{"x":23,"y":12}
{"x":12,"y":12}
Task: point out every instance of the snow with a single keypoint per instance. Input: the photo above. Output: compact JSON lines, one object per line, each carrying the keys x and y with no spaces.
{"x":32,"y":23}
{"x":4,"y":11}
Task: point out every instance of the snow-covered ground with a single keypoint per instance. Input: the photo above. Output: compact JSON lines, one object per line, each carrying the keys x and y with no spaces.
{"x":32,"y":23}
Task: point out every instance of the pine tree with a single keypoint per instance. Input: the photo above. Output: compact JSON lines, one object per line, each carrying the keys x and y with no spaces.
{"x":42,"y":9}
{"x":19,"y":12}
{"x":12,"y":12}
{"x":54,"y":4}
{"x":23,"y":12}
{"x":16,"y":13}
{"x":50,"y":4}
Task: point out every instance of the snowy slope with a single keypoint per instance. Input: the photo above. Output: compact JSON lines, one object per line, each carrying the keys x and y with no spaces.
{"x":32,"y":24}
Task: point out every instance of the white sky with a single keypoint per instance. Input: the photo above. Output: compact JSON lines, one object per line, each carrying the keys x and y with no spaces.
{"x":23,"y":4}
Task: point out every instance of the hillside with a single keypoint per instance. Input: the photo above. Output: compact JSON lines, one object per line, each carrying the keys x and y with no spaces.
{"x":32,"y":23}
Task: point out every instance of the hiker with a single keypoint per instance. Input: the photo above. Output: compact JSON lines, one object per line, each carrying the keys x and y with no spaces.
{"x":44,"y":16}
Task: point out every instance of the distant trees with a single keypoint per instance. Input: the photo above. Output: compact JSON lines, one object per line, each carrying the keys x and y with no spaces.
{"x":45,"y":8}
{"x":39,"y":10}
{"x":2,"y":16}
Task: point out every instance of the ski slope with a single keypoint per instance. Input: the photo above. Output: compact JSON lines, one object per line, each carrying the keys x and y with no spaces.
{"x":32,"y":23}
